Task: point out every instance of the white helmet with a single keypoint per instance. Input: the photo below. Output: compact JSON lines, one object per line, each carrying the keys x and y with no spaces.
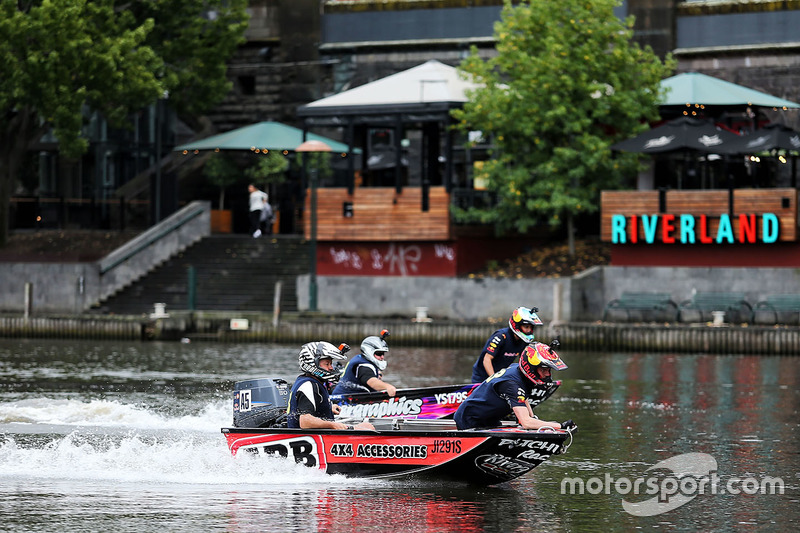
{"x":313,"y":352}
{"x":373,"y":344}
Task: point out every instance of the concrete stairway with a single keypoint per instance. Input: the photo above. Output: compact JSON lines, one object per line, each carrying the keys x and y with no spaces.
{"x":233,"y":273}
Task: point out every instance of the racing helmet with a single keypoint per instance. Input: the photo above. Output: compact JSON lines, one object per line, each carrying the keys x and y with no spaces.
{"x":313,"y":352}
{"x":373,"y":344}
{"x":539,"y":354}
{"x":523,"y":315}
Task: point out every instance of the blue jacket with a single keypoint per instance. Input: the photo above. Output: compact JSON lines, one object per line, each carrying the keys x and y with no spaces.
{"x":309,"y":396}
{"x":356,"y":374}
{"x":494,"y":399}
{"x":504,"y":347}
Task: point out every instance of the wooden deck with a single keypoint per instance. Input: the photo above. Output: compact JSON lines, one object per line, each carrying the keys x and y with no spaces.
{"x":380,"y":214}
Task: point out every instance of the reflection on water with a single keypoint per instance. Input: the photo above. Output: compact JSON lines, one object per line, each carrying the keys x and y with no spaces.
{"x":125,"y":437}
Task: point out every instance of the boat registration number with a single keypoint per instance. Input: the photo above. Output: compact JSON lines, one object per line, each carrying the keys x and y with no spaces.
{"x":446,"y":446}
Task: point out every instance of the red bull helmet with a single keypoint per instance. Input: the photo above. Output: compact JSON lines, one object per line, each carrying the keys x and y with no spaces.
{"x":539,"y":354}
{"x":523,"y":315}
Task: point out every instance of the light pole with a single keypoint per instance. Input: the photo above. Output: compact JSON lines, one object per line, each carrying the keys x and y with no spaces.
{"x":313,"y":147}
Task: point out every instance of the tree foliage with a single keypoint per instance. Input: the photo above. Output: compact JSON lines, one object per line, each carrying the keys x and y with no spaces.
{"x":62,"y":58}
{"x":565,"y":84}
{"x":268,"y":170}
{"x":221,"y":171}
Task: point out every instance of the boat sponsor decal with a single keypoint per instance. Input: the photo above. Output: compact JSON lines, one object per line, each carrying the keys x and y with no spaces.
{"x":389,"y":408}
{"x":527,"y":444}
{"x":533,"y":456}
{"x":441,"y":402}
{"x":389,"y":451}
{"x":502,"y":466}
{"x":341,"y":450}
{"x":304,"y":449}
{"x":396,"y":450}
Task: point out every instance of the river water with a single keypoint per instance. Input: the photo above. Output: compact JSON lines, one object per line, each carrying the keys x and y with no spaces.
{"x":125,"y":437}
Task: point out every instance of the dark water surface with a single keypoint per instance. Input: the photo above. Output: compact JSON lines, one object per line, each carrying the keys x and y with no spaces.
{"x":125,"y":437}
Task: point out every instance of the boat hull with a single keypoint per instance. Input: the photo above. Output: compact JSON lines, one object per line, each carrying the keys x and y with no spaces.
{"x":407,"y":448}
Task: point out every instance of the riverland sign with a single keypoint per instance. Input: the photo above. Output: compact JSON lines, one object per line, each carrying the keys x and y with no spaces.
{"x":699,"y":217}
{"x":694,"y":229}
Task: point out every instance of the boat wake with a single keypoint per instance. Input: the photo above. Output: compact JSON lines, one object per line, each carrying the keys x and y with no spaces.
{"x":105,"y":440}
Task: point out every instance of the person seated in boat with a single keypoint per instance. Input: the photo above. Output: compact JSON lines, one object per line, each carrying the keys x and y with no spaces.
{"x":509,"y":390}
{"x":309,"y":403}
{"x":505,"y":345}
{"x":364,"y":372}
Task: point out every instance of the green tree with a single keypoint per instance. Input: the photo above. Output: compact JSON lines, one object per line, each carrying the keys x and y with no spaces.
{"x":565,"y":84}
{"x":269,"y":170}
{"x":219,"y":170}
{"x":62,"y":58}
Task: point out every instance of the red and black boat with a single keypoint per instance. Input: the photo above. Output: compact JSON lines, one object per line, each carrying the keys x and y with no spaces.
{"x":416,"y":448}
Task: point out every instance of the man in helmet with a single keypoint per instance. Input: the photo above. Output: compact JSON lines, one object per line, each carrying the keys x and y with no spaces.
{"x":508,"y":391}
{"x":505,"y":345}
{"x":309,"y":404}
{"x":364,"y":372}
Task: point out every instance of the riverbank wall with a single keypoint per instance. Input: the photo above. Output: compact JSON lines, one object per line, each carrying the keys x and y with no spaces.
{"x":238,"y":328}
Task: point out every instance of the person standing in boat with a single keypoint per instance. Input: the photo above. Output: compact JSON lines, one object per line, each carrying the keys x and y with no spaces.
{"x":505,"y":345}
{"x":309,"y":403}
{"x":509,"y":390}
{"x":364,"y":372}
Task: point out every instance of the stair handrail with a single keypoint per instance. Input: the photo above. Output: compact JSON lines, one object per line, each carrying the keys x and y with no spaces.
{"x":138,"y":256}
{"x":154,"y":234}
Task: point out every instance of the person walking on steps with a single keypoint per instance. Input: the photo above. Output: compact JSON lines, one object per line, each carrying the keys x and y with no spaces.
{"x":258,"y":200}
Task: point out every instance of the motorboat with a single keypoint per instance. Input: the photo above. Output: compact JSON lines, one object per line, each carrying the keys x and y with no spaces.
{"x":409,"y":448}
{"x":414,"y":435}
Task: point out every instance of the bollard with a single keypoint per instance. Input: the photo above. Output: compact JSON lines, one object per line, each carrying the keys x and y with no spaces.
{"x":28,"y":299}
{"x":276,"y":304}
{"x":422,"y":315}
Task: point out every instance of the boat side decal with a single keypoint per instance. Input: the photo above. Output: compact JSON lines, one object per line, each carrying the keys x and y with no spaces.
{"x":418,"y":403}
{"x":303,"y":449}
{"x":516,"y":457}
{"x":431,"y":450}
{"x":392,"y":407}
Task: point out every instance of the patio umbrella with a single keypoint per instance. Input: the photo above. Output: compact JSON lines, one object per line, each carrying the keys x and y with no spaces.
{"x":260,"y":136}
{"x":770,"y":137}
{"x":682,"y":133}
{"x":693,"y":88}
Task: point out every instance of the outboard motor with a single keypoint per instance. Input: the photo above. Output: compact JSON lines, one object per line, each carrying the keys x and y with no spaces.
{"x":260,"y":403}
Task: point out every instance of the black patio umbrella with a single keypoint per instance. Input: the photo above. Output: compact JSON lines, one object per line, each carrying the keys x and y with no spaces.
{"x":770,"y":137}
{"x":683,"y":133}
{"x":767,"y":139}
